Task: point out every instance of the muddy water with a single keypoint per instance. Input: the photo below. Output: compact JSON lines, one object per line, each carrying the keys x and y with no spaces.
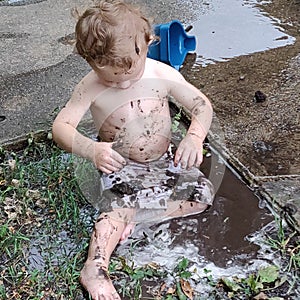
{"x":215,"y":239}
{"x":220,"y":234}
{"x":221,"y":241}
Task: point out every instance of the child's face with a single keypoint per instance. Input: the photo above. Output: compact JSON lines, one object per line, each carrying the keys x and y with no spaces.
{"x":118,"y":78}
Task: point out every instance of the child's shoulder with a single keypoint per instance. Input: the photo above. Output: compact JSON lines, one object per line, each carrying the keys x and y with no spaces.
{"x":91,"y":80}
{"x":91,"y":83}
{"x":88,"y":87}
{"x":162,"y":70}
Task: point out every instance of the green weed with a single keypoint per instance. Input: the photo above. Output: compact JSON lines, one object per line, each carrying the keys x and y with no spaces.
{"x":11,"y":241}
{"x":130,"y":279}
{"x":287,"y":242}
{"x":266,"y":279}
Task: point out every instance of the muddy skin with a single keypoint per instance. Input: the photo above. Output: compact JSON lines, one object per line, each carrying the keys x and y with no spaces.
{"x":94,"y":275}
{"x":140,"y":129}
{"x":185,"y":208}
{"x":108,"y":232}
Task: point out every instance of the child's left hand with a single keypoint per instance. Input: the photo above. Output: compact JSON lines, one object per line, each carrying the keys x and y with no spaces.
{"x":189,"y":152}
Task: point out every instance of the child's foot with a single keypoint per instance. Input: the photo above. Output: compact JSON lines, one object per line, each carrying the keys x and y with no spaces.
{"x":127,"y":232}
{"x":184,"y":208}
{"x":96,"y":281}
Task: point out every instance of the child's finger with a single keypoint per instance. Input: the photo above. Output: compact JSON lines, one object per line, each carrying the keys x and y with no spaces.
{"x":177,"y":157}
{"x":199,"y":159}
{"x":192,"y":160}
{"x":118,"y":158}
{"x":109,"y":168}
{"x":105,"y":170}
{"x":184,"y":160}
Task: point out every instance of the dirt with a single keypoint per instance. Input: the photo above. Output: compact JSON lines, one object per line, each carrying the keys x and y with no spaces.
{"x":263,"y":134}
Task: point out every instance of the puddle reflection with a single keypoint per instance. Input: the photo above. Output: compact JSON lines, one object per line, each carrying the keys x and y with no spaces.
{"x":232,"y":28}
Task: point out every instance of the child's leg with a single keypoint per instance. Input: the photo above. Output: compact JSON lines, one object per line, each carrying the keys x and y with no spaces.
{"x":184,"y":208}
{"x":108,"y":230}
{"x":199,"y":197}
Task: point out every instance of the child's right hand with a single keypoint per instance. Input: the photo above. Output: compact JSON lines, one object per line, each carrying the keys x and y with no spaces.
{"x":107,"y":159}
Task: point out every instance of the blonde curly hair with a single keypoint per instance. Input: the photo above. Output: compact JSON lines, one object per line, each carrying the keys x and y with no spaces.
{"x":112,"y":33}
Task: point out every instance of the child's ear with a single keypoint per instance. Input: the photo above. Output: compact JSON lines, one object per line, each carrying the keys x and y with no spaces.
{"x":153,"y":38}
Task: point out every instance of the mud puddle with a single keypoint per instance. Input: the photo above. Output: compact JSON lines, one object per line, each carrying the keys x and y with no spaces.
{"x":231,"y":28}
{"x":221,"y":241}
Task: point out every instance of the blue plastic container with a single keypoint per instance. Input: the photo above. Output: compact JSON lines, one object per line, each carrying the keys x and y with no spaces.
{"x":174,"y":44}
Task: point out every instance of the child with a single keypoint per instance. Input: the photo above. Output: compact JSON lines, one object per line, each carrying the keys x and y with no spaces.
{"x":143,"y":176}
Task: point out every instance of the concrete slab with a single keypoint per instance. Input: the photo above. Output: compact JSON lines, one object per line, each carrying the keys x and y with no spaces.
{"x":285,"y":194}
{"x":30,"y":34}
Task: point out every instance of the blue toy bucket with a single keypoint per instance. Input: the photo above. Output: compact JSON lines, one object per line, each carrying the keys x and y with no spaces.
{"x":174,"y":44}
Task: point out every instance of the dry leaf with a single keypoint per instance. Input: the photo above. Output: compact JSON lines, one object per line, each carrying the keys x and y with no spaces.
{"x":15,"y":182}
{"x":12,"y":164}
{"x":261,"y":296}
{"x":171,"y":290}
{"x":162,"y":287}
{"x":186,"y":288}
{"x":153,"y":265}
{"x":34,"y":194}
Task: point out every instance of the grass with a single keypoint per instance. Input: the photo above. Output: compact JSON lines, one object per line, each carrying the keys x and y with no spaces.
{"x":40,"y":200}
{"x":45,"y":223}
{"x":287,"y":242}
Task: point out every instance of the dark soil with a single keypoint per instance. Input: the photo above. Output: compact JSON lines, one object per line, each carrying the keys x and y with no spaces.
{"x":264,"y":135}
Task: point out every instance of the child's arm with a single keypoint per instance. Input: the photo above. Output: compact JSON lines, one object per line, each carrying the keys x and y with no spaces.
{"x":189,"y":152}
{"x":67,"y":137}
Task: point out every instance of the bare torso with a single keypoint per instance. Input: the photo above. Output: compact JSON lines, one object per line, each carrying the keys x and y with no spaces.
{"x":136,"y":119}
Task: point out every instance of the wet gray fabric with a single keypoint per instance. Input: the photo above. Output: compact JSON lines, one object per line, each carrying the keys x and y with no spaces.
{"x":149,"y":186}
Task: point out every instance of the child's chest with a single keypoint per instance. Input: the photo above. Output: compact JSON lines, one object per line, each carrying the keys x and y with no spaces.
{"x":117,"y":106}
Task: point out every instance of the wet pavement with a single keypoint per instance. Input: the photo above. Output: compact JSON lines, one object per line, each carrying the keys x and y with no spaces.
{"x":257,"y":50}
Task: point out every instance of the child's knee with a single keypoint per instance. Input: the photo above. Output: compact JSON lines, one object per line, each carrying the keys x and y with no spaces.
{"x":198,"y":205}
{"x":193,"y":207}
